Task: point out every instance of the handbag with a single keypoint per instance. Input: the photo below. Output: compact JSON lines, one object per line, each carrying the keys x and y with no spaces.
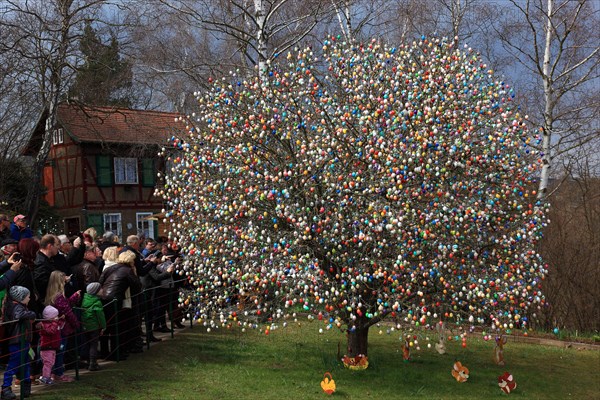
{"x":127,"y":299}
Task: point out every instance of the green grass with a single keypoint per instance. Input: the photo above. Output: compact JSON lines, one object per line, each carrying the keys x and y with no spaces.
{"x":290,"y":362}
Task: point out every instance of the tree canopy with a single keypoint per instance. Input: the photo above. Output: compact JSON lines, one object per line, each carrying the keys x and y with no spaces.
{"x":103,"y":78}
{"x":372,"y":182}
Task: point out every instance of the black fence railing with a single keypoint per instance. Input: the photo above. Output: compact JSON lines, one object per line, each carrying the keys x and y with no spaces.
{"x":125,"y":318}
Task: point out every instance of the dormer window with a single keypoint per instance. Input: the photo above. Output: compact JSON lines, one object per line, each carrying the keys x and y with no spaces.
{"x":58,"y":136}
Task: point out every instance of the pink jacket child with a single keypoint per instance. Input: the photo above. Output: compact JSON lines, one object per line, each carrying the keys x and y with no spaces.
{"x":64,"y":307}
{"x":50,"y":337}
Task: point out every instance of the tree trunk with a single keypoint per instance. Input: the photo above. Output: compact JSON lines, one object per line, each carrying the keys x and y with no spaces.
{"x":52,"y":93}
{"x":548,"y":100}
{"x":261,"y":38}
{"x":358,"y":341}
{"x":35,"y":192}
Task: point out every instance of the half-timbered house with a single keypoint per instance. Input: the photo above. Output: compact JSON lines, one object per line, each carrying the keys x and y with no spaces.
{"x":102,"y":167}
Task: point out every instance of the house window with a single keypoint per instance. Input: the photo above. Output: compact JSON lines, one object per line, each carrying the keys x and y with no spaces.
{"x":145,"y":225}
{"x":126,"y":170}
{"x":112,"y":222}
{"x":58,"y":136}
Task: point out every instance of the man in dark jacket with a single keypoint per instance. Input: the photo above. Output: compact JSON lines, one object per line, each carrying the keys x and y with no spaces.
{"x":67,"y":257}
{"x":142,"y":266}
{"x":87,"y":271}
{"x":108,"y":240}
{"x":44,"y":263}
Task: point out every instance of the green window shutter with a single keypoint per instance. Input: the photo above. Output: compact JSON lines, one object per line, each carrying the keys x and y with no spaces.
{"x":155,"y":226}
{"x":96,"y":221}
{"x":148,"y":172}
{"x":104,"y":173}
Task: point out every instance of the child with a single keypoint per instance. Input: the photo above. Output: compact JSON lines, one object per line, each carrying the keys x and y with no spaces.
{"x":49,"y":341}
{"x":55,"y":296}
{"x":19,"y":333}
{"x":94,"y":323}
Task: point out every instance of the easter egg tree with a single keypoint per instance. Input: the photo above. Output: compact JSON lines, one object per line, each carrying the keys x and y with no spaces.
{"x":356,"y":183}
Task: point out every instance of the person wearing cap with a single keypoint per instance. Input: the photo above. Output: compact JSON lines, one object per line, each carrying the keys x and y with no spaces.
{"x":19,"y":229}
{"x":4,"y":227}
{"x":19,"y":334}
{"x":109,"y":239}
{"x":94,"y":322}
{"x":8,"y":246}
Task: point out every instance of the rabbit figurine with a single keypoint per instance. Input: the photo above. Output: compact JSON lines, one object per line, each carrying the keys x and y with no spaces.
{"x":499,"y":350}
{"x":441,"y":346}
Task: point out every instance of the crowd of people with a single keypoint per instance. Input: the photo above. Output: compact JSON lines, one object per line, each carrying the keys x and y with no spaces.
{"x":68,"y":300}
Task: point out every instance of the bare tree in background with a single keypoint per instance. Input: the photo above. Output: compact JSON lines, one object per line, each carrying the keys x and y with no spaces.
{"x":557,"y":43}
{"x":45,"y":36}
{"x":16,"y":105}
{"x":363,"y":19}
{"x":171,"y":56}
{"x":450,"y":18}
{"x":571,"y":245}
{"x":17,"y":110}
{"x":256,"y":31}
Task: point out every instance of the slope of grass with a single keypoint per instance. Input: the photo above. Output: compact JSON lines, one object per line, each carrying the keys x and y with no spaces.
{"x":290,"y":362}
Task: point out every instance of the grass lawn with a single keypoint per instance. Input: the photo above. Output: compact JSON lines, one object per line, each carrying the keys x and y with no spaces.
{"x":289,"y":364}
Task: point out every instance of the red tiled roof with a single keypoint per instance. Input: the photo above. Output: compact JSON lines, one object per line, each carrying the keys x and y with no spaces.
{"x":118,"y":125}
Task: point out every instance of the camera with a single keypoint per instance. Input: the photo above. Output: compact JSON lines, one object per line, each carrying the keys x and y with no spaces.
{"x":16,"y":257}
{"x":158,"y":254}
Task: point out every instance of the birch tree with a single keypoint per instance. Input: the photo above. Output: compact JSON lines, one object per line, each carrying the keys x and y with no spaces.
{"x":259,"y":29}
{"x":357,"y":19}
{"x":557,"y":43}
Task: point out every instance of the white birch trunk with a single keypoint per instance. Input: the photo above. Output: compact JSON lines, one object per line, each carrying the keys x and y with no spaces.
{"x":548,"y":94}
{"x":345,"y":22}
{"x":261,"y":39}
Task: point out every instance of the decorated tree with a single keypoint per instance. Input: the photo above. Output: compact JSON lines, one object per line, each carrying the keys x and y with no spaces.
{"x":366,"y":183}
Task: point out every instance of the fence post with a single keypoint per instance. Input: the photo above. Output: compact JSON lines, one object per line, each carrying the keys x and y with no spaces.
{"x":24,"y":355}
{"x":77,"y":333}
{"x":117,"y":341}
{"x":146,"y":317}
{"x":170,"y":300}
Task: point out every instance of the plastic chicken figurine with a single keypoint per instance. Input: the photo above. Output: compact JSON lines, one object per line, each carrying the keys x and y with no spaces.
{"x":328,"y":384}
